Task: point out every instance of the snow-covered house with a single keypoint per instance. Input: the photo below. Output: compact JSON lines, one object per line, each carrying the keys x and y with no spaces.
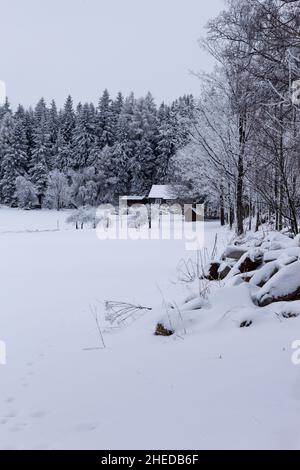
{"x":173,"y":194}
{"x":169,"y":195}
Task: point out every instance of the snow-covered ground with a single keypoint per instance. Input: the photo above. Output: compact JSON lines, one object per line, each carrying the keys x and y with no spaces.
{"x":218,"y":386}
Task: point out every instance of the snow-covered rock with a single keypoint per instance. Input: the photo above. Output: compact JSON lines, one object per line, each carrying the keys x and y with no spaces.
{"x":211,"y":271}
{"x":274,"y":246}
{"x":263,"y":275}
{"x":286,"y":260}
{"x":250,"y":261}
{"x":287,"y":252}
{"x":224,"y":270}
{"x":297,"y":240}
{"x":283,"y":286}
{"x":280,"y":238}
{"x":195,"y":304}
{"x":235,"y":252}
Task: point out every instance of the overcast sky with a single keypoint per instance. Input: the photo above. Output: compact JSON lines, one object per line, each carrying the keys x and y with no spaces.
{"x":52,"y":48}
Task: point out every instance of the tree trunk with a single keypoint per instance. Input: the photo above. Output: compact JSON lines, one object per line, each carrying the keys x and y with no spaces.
{"x":280,"y":209}
{"x":240,"y":179}
{"x":257,"y":222}
{"x":239,"y":206}
{"x":230,"y":209}
{"x":222,"y":207}
{"x":250,"y":211}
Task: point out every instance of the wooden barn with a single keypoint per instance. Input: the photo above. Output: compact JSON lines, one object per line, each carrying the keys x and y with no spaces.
{"x":172,"y":194}
{"x":168,"y":195}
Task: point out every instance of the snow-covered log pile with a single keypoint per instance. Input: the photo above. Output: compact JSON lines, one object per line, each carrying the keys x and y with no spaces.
{"x":255,"y":276}
{"x":283,"y":286}
{"x":270,"y":262}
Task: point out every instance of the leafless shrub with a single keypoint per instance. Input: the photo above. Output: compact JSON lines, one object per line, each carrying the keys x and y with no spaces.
{"x":94,"y":312}
{"x":186,"y":271}
{"x":189,"y":271}
{"x":215,"y":249}
{"x":180,"y":317}
{"x":120,"y":312}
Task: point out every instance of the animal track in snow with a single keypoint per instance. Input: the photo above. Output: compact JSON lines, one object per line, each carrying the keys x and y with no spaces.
{"x":92,"y":426}
{"x":11,"y":414}
{"x":38,"y":414}
{"x":9,"y":399}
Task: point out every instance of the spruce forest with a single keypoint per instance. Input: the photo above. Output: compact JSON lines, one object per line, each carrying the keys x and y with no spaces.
{"x":90,"y":155}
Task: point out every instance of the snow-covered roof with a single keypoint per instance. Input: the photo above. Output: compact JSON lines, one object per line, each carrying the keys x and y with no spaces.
{"x":133,"y":198}
{"x":162,"y":191}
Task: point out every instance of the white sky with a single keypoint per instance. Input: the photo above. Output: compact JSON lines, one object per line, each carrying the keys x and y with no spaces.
{"x":52,"y":48}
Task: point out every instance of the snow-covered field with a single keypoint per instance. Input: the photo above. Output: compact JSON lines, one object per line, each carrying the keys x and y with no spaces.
{"x":218,"y":386}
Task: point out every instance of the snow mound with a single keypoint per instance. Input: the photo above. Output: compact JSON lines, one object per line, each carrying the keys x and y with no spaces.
{"x":250,"y":261}
{"x":263,"y":275}
{"x":276,"y":254}
{"x":285,"y":285}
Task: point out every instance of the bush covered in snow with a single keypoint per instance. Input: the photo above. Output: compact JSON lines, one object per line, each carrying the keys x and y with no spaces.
{"x":82,"y":216}
{"x":25,"y":193}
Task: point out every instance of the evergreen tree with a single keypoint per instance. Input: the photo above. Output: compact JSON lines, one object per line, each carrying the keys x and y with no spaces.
{"x":107,"y":175}
{"x":83,"y":137}
{"x":121,"y":164}
{"x":116,"y":109}
{"x":53,"y":124}
{"x":166,"y":143}
{"x":4,"y":109}
{"x":29,"y":125}
{"x":105,"y":121}
{"x":40,"y":160}
{"x":145,"y":132}
{"x":13,"y":157}
{"x":67,"y":119}
{"x":62,"y":154}
{"x":124,"y":133}
{"x":40,"y":112}
{"x":23,"y":135}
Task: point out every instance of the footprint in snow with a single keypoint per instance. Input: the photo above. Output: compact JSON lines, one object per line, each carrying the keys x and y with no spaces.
{"x":38,"y":414}
{"x":11,"y":414}
{"x":14,"y":429}
{"x":18,"y":427}
{"x":87,"y":426}
{"x":10,"y":400}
